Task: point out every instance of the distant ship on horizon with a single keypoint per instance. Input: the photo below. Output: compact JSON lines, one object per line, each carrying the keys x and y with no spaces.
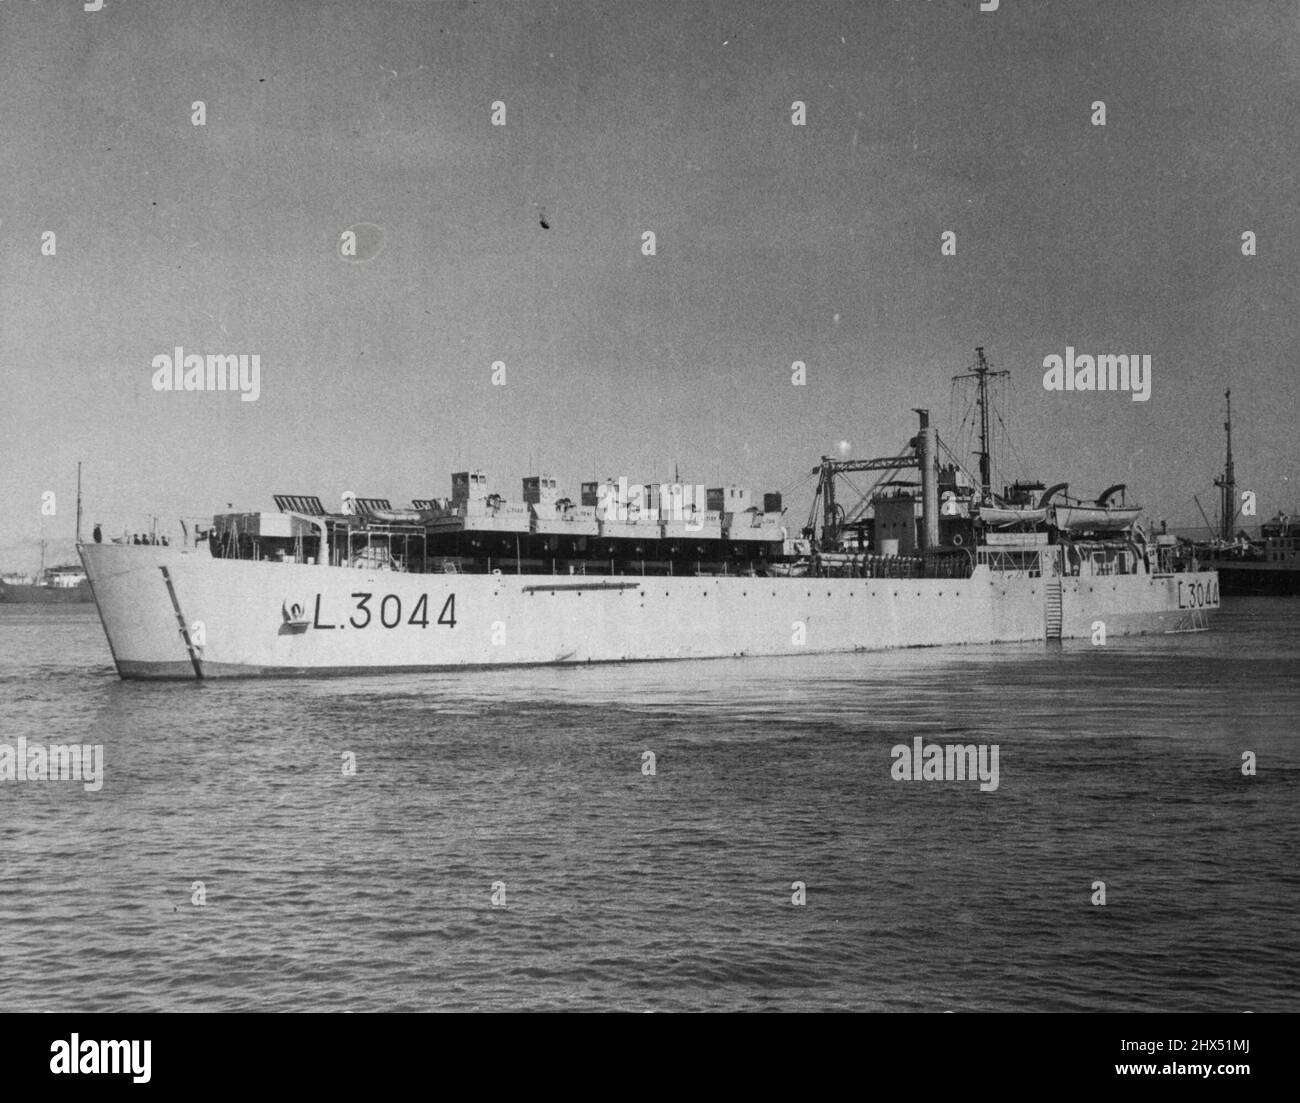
{"x":63,"y":584}
{"x":60,"y":585}
{"x":1267,"y":567}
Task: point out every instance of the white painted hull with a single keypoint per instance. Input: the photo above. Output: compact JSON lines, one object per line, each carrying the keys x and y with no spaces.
{"x":240,"y":620}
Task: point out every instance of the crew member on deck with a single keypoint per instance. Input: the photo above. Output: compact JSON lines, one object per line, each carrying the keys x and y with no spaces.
{"x":99,"y":536}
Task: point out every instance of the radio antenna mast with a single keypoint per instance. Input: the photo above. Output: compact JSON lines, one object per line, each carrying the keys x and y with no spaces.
{"x":982,"y":374}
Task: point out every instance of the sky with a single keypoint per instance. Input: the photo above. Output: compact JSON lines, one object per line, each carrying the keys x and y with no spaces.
{"x":774,"y":243}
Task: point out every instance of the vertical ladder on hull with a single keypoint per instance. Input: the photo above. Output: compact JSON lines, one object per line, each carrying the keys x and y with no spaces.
{"x":1053,"y":608}
{"x":180,"y":620}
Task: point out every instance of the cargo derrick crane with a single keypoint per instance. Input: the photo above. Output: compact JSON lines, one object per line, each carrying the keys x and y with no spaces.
{"x":919,"y":453}
{"x":833,"y":514}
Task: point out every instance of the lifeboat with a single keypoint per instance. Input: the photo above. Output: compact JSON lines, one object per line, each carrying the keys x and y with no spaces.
{"x":1096,"y":518}
{"x":999,"y":516}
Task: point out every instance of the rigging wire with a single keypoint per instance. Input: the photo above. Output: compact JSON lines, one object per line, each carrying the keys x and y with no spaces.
{"x":957,"y":463}
{"x":865,"y":501}
{"x":798,"y":483}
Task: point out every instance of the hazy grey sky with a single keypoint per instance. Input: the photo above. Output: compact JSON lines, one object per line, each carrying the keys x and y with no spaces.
{"x":775,"y":242}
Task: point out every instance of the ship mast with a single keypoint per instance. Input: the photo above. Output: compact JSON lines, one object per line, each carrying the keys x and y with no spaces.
{"x":982,"y":374}
{"x":1228,"y":484}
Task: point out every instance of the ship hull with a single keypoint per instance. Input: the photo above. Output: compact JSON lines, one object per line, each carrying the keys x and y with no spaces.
{"x":169,"y":613}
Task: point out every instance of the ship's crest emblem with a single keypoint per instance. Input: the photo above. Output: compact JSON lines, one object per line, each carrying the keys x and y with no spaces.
{"x":294,"y":617}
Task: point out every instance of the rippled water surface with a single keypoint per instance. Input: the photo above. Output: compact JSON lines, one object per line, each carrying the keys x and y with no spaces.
{"x":627,"y":891}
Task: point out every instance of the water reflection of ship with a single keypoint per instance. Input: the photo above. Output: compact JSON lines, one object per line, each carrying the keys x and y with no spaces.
{"x":1269,"y":566}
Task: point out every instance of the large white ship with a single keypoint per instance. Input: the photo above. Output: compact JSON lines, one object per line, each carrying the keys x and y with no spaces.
{"x":642,"y":572}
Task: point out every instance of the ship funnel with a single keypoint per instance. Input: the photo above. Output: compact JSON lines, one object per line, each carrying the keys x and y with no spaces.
{"x":928,"y":446}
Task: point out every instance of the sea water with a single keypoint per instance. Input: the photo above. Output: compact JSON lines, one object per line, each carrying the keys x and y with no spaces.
{"x":727,"y":834}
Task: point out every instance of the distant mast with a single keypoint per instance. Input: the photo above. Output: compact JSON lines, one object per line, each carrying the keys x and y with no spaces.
{"x":1228,"y":484}
{"x":982,"y":374}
